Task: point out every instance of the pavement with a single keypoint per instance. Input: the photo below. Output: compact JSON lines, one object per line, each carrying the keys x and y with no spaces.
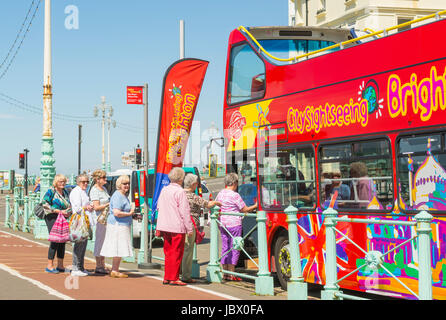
{"x":23,"y":260}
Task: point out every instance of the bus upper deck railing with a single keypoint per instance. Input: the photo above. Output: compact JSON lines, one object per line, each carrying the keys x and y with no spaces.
{"x":341,"y":45}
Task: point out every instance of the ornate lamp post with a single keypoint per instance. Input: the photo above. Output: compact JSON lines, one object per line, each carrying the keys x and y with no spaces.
{"x":47,"y":169}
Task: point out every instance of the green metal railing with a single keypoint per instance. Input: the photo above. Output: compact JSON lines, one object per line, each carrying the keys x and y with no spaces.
{"x":374,"y":259}
{"x":19,"y":210}
{"x":264,"y":283}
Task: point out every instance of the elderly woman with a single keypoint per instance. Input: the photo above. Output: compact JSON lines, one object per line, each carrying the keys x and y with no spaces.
{"x":173,"y":223}
{"x":231,"y":201}
{"x":100,"y":200}
{"x":80,"y":203}
{"x":118,"y":242}
{"x":196,"y":203}
{"x":56,"y":201}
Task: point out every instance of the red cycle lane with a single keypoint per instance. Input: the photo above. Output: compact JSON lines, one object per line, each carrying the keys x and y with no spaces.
{"x":27,"y":259}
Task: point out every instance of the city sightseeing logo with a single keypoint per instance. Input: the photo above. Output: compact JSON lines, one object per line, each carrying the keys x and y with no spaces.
{"x":236,"y":124}
{"x":184,"y":108}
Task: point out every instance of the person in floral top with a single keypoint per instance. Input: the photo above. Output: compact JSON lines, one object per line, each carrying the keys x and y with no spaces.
{"x":196,"y":204}
{"x":56,"y":200}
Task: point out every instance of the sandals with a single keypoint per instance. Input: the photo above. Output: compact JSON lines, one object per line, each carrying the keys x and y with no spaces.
{"x":177,"y":283}
{"x":233,"y":278}
{"x":115,"y":274}
{"x":100,"y":271}
{"x":190,"y":281}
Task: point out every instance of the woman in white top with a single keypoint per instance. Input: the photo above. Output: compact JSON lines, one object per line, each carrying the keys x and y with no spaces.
{"x":80,"y":202}
{"x":101,"y":200}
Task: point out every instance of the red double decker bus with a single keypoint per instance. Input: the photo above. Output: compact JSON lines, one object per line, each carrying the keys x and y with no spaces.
{"x":363,"y":118}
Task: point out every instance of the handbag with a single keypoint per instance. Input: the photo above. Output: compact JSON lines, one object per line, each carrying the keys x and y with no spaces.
{"x":102,"y":218}
{"x":39,"y":212}
{"x":199,"y":235}
{"x":60,"y":232}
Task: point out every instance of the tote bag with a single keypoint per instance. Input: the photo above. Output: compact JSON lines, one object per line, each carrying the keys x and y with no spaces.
{"x":60,"y":232}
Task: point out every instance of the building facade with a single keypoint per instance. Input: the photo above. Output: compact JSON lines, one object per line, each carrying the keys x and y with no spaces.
{"x":360,"y":14}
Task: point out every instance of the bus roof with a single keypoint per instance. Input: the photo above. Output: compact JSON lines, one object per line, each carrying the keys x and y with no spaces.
{"x":286,"y":32}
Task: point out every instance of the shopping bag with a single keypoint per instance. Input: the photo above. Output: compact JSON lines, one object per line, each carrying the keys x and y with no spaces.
{"x":199,"y":235}
{"x":60,"y":232}
{"x":80,"y":229}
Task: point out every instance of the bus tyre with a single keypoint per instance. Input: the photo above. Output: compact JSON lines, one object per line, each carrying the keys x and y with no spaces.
{"x":282,"y":260}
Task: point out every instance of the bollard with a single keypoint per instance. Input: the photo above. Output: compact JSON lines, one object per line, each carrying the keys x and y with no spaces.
{"x":25,"y":226}
{"x":8,"y":212}
{"x":330,"y":288}
{"x":424,"y":255}
{"x":264,"y":282}
{"x":297,"y":288}
{"x":213,"y":270}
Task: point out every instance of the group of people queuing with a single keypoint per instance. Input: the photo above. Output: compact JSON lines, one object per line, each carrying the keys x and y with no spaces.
{"x":113,"y":236}
{"x":179,"y":210}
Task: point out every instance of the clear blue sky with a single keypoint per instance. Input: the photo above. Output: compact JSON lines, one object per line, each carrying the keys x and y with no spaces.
{"x":118,"y":43}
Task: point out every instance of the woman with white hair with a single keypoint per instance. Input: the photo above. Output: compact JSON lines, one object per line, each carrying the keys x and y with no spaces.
{"x":231,"y":202}
{"x":173,"y":224}
{"x":80,"y":202}
{"x":196,"y":203}
{"x":117,"y":242}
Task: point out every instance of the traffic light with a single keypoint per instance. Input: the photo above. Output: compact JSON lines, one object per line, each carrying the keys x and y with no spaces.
{"x":138,"y":156}
{"x":21,"y":161}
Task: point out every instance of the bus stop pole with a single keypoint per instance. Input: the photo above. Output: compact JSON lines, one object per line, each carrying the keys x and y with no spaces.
{"x":147,"y":260}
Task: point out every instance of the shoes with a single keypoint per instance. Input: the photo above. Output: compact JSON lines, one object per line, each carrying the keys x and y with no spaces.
{"x":100,"y":271}
{"x":115,"y":274}
{"x":79,"y":273}
{"x":177,"y":283}
{"x":233,"y":278}
{"x":60,"y":269}
{"x":190,"y":281}
{"x":166,"y":281}
{"x":51,"y":270}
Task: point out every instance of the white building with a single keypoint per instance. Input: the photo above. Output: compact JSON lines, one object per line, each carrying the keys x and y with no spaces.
{"x":360,"y":14}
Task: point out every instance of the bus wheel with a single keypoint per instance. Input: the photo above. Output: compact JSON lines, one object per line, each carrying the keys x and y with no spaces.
{"x":282,"y":260}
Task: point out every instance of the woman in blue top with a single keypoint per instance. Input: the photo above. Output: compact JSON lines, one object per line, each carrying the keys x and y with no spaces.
{"x":117,"y":242}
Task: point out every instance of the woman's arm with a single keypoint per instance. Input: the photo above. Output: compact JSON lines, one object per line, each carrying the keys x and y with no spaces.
{"x":97,"y":206}
{"x":122,"y":214}
{"x":247,"y":209}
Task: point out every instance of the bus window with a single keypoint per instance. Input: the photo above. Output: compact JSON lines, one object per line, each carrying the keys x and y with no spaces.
{"x":288,"y":48}
{"x":246,"y":75}
{"x":287,"y":177}
{"x":421,"y":176}
{"x":244,"y":164}
{"x":360,"y":172}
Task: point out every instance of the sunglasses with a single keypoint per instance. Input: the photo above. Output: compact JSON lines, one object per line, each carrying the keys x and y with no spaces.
{"x":83,"y":181}
{"x":126,"y":183}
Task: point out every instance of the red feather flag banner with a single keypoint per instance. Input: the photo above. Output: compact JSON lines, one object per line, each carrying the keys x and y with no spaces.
{"x":181,"y":90}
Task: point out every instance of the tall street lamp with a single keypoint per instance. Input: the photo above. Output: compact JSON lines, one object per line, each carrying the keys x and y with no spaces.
{"x":107,"y":112}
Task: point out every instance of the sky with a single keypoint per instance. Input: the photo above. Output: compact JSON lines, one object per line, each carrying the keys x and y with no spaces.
{"x":115,"y":44}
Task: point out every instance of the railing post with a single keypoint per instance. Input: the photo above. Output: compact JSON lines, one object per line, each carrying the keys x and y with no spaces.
{"x":423,"y":228}
{"x":195,"y":266}
{"x":264,"y":281}
{"x":25,"y":226}
{"x":297,"y":288}
{"x":16,"y":212}
{"x":331,"y":272}
{"x":213,"y":271}
{"x":8,"y":212}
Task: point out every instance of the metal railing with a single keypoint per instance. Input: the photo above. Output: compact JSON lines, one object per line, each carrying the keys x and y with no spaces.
{"x":19,"y":210}
{"x":341,"y":45}
{"x":264,"y":283}
{"x":374,"y":259}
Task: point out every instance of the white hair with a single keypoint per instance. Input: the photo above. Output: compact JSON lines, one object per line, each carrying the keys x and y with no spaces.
{"x":176,"y":175}
{"x":231,"y":179}
{"x":189,"y":180}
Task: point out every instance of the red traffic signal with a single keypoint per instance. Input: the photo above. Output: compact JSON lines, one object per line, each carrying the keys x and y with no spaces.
{"x":138,"y":156}
{"x":21,"y":161}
